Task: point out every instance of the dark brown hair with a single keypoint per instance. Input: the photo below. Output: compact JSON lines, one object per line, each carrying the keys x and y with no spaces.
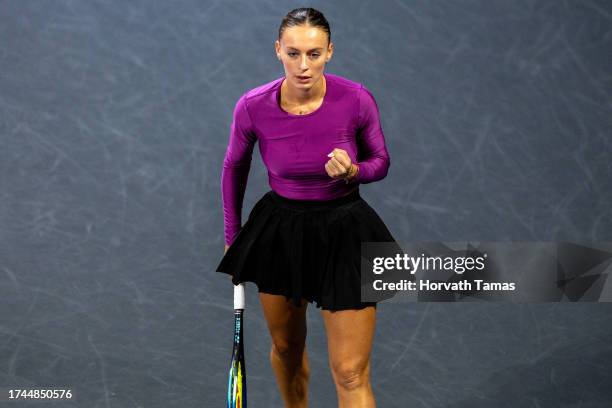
{"x":305,"y":16}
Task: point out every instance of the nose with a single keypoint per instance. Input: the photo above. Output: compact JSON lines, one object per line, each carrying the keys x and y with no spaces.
{"x":303,"y":64}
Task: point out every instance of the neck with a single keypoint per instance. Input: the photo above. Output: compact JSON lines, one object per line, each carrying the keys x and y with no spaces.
{"x":302,"y":96}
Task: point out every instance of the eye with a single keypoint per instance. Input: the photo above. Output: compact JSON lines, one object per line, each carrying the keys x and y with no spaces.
{"x":291,"y":54}
{"x":315,"y":55}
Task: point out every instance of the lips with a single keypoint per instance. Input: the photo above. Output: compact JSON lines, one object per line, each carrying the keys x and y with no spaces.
{"x":303,"y":77}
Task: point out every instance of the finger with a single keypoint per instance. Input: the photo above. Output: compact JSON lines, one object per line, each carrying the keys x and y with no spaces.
{"x":339,"y":166}
{"x":337,"y":151}
{"x":334,"y":165}
{"x":343,"y":159}
{"x":331,"y":172}
{"x":333,"y":169}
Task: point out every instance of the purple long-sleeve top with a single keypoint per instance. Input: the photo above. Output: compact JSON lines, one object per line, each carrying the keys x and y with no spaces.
{"x":294,"y":148}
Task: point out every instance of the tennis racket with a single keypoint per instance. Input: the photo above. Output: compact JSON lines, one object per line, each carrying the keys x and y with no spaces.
{"x":236,"y":386}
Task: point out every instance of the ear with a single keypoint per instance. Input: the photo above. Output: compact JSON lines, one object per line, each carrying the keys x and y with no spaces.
{"x":330,"y":51}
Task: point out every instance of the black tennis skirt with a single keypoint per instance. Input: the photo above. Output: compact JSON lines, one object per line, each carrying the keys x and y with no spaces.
{"x":306,"y":249}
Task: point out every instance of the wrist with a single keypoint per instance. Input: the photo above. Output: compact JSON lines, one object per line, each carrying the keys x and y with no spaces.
{"x":352,"y":173}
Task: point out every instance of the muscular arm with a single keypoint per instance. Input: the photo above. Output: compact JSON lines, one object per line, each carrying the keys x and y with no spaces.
{"x":236,"y":167}
{"x":371,"y":141}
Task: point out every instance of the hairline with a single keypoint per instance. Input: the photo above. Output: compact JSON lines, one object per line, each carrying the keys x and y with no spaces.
{"x":312,"y":49}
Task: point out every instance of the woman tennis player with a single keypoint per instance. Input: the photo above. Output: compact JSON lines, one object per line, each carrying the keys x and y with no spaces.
{"x":319,"y":137}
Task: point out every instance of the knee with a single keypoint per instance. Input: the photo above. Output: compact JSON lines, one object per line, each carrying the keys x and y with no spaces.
{"x":288,"y":350}
{"x":350,"y":376}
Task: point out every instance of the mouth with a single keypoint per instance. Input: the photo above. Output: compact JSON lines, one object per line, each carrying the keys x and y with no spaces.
{"x":303,"y":78}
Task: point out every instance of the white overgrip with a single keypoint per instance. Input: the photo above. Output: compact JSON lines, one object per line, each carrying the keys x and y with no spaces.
{"x":239,"y":296}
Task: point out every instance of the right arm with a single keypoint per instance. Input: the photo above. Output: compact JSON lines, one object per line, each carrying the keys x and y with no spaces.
{"x":236,"y":166}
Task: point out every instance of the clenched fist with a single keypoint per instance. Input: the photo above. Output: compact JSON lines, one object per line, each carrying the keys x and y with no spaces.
{"x":340,"y":165}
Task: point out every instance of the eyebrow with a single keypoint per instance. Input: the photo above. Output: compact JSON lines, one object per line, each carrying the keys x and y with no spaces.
{"x":313,"y":49}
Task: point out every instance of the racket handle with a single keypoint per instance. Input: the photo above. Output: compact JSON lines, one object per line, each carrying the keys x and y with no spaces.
{"x":239,"y":296}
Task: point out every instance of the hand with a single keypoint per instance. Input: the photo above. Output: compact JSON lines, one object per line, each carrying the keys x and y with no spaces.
{"x":340,"y":165}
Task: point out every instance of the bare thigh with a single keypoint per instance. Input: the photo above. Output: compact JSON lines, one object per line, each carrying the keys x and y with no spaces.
{"x":286,"y":322}
{"x":350,"y":334}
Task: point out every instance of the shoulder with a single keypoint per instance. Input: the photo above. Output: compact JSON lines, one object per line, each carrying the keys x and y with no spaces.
{"x":348,"y":85}
{"x":353,"y":90}
{"x":251,"y":102}
{"x":343,"y":83}
{"x":260,"y":93}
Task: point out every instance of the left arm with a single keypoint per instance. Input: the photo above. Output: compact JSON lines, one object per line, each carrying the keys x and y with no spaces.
{"x":371,"y":141}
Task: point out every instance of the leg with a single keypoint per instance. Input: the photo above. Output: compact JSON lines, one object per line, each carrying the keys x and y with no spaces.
{"x":287,"y":325}
{"x":349,"y":340}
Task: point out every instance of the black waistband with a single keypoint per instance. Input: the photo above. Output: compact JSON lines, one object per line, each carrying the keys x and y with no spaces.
{"x":315,"y":204}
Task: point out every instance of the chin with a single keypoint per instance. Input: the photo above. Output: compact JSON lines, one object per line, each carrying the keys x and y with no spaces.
{"x":300,"y":84}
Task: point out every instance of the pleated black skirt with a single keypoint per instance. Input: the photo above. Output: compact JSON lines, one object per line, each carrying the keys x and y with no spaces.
{"x":306,"y":249}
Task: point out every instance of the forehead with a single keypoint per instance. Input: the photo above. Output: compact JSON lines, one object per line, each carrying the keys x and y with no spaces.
{"x":304,"y":36}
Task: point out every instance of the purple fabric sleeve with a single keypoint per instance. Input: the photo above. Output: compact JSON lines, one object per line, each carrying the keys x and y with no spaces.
{"x":371,"y":141}
{"x":236,"y":166}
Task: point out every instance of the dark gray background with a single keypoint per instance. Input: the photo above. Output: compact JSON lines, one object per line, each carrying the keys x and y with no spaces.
{"x":114,"y":121}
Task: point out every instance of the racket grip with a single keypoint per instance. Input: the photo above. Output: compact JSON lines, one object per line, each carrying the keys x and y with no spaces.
{"x":239,"y":296}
